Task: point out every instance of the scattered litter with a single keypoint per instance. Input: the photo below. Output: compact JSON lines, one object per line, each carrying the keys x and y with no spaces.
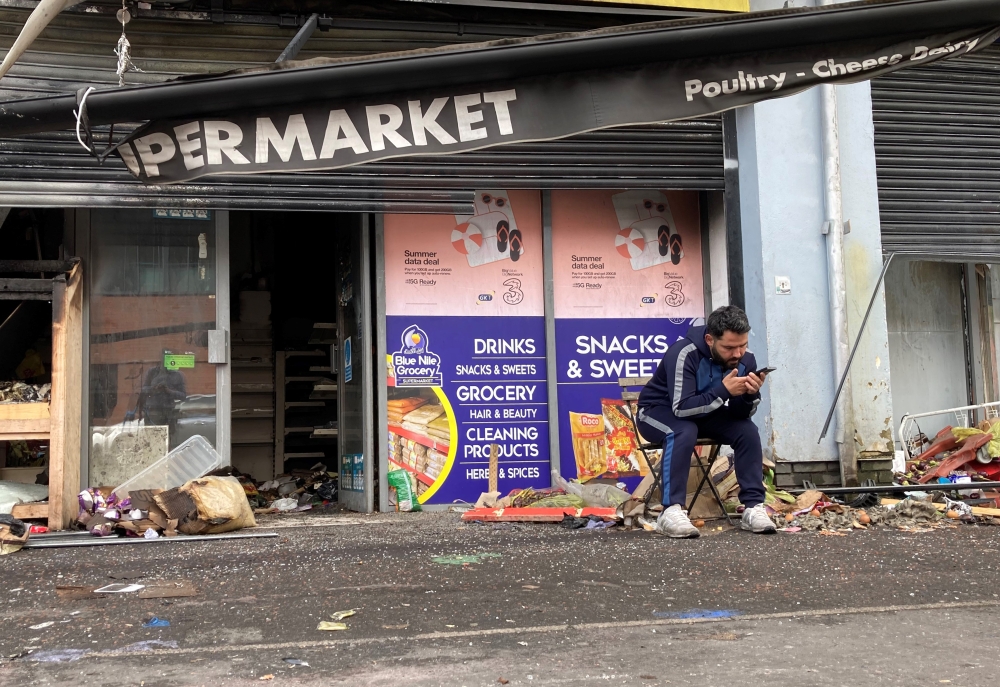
{"x":593,"y":495}
{"x":269,"y":676}
{"x":42,"y":626}
{"x":285,"y":505}
{"x":23,"y":392}
{"x":523,"y":643}
{"x":127,"y":574}
{"x":296,"y":662}
{"x":57,"y":656}
{"x":119,"y":588}
{"x":147,"y":645}
{"x":75,"y":592}
{"x":503,"y":681}
{"x":457,"y":559}
{"x":403,"y":486}
{"x":696,"y":613}
{"x":13,"y":534}
{"x":207,"y":505}
{"x":340,"y":615}
{"x":168,"y":590}
{"x":156,"y":622}
{"x":328,"y":626}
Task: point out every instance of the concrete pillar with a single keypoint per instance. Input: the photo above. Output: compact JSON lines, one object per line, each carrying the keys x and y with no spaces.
{"x":782,"y":213}
{"x":872,"y":399}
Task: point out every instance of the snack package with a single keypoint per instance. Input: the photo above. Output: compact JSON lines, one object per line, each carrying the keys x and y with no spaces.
{"x":587,"y":430}
{"x":623,"y":455}
{"x":404,"y":484}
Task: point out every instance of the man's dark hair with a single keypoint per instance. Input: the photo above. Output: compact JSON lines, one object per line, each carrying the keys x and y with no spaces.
{"x":728,"y":318}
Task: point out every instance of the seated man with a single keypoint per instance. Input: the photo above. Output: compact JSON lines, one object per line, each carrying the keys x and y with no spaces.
{"x":705,"y":386}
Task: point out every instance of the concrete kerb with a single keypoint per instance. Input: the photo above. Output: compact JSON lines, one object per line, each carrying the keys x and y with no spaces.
{"x":538,"y":629}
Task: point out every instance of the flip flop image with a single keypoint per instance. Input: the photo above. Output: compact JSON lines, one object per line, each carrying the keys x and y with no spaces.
{"x":503,"y":234}
{"x":676,"y":249}
{"x":516,"y":245}
{"x":663,"y":239}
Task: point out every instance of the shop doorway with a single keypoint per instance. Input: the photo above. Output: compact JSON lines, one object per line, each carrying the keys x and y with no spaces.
{"x":155,"y":299}
{"x":300,"y":351}
{"x":924,"y":310}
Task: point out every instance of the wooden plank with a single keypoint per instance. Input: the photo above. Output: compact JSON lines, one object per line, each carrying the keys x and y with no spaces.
{"x":25,"y":429}
{"x":535,"y":514}
{"x":18,"y":285}
{"x":976,"y":510}
{"x":23,"y":296}
{"x":494,"y":467}
{"x":31,"y":511}
{"x":24,"y":436}
{"x":28,"y":266}
{"x":633,"y":381}
{"x":24,"y":411}
{"x":66,"y":408}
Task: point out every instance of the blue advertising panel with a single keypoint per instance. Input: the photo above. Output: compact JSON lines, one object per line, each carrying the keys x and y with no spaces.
{"x":465,"y":348}
{"x":627,"y":285}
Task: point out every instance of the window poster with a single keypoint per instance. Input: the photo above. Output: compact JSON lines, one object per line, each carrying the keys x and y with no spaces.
{"x":628,"y":283}
{"x":465,"y":347}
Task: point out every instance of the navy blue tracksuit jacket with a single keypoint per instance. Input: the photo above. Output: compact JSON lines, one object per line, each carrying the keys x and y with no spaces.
{"x":685,"y":400}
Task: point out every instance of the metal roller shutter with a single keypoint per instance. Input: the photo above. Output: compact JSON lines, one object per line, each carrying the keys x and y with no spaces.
{"x":53,"y":170}
{"x":937,"y":150}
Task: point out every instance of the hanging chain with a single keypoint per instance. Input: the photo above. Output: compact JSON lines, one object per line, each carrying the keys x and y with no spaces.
{"x":124,"y":49}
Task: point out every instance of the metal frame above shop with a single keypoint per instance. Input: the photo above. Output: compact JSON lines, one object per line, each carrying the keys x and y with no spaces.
{"x":619,"y":47}
{"x":51,"y":169}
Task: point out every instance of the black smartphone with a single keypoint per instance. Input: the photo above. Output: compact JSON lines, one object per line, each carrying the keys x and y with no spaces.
{"x":764,"y":371}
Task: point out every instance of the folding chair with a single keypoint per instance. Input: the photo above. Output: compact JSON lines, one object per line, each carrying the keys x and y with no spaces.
{"x":631,"y":398}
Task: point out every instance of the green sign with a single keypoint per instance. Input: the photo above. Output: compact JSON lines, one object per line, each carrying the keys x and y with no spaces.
{"x":176,"y":361}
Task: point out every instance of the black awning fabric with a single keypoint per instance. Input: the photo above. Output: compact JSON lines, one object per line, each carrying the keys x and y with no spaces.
{"x":620,"y":48}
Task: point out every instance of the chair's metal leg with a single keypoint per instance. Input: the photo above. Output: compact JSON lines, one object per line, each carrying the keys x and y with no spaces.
{"x":657,"y":479}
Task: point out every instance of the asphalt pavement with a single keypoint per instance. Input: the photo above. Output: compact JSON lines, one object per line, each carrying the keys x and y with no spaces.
{"x":439,"y":602}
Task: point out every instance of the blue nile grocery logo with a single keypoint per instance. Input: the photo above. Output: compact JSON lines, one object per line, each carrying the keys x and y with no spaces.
{"x":414,"y":364}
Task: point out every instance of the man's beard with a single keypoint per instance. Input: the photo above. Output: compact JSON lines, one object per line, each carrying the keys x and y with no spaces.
{"x":727,"y":364}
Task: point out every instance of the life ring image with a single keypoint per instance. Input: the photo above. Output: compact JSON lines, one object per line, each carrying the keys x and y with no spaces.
{"x":630,"y":243}
{"x":466,"y":238}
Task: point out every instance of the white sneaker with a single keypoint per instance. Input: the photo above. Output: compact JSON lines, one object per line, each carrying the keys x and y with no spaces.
{"x":673,"y":522}
{"x":757,"y":520}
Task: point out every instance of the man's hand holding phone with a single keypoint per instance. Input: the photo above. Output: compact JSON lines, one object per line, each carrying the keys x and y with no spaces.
{"x":738,"y":386}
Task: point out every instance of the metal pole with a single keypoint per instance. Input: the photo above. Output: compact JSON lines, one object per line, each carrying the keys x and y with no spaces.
{"x":850,"y":359}
{"x":837,"y":279}
{"x":299,"y":40}
{"x":890,"y":488}
{"x":111,"y":541}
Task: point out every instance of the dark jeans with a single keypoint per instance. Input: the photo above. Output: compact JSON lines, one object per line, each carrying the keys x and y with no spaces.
{"x":659,"y":425}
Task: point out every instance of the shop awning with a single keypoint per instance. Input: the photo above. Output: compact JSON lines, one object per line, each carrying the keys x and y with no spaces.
{"x":333,"y":113}
{"x":52,"y":169}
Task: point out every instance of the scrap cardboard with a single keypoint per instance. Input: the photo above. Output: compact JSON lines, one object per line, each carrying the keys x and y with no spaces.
{"x":208,"y":505}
